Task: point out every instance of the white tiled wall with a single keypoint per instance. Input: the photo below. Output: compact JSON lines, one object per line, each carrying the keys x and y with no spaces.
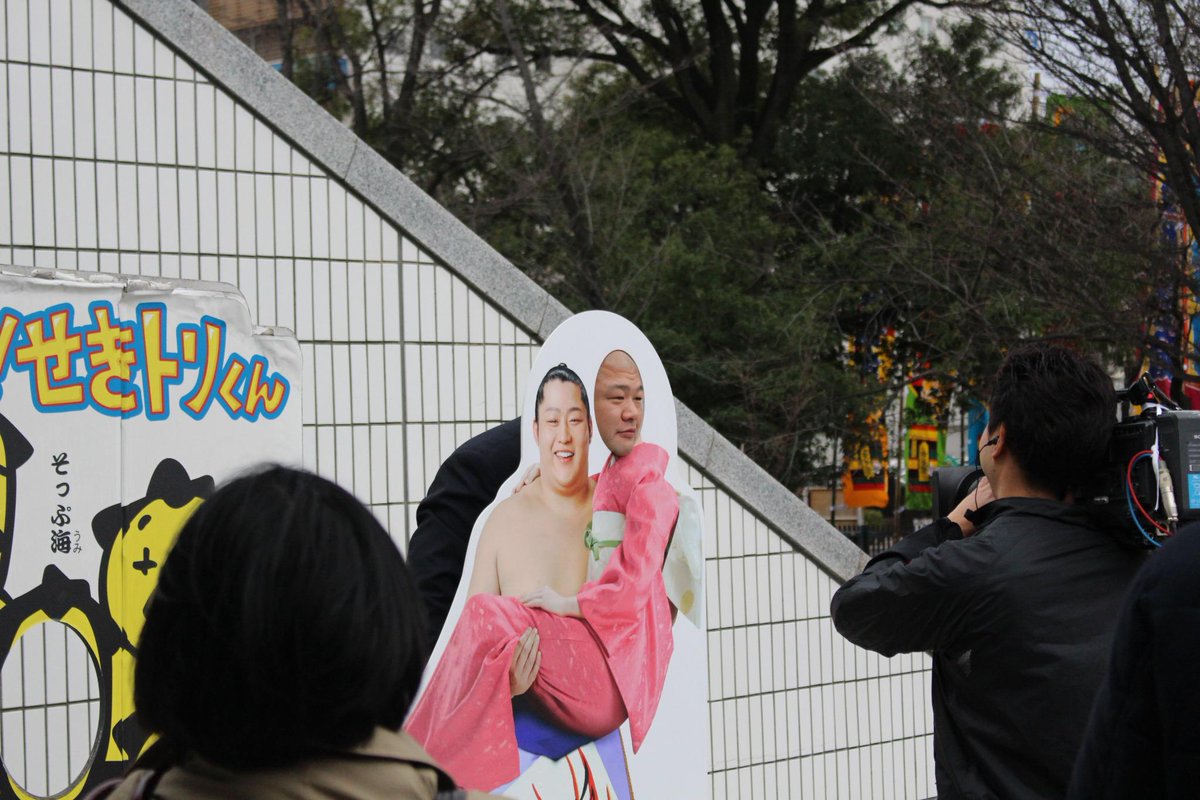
{"x":796,"y":710}
{"x":115,"y":155}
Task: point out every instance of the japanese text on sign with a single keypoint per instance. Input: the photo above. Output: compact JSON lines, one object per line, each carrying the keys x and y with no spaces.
{"x":62,"y":539}
{"x":131,"y":367}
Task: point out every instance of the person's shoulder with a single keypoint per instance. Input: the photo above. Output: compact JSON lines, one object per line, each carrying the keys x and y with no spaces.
{"x":1032,"y":517}
{"x":504,"y":437}
{"x":1181,"y":550}
{"x":1039,"y":532}
{"x":967,"y":558}
{"x":490,"y":456}
{"x":508,"y":513}
{"x":1013,"y":533}
{"x":1170,"y":570}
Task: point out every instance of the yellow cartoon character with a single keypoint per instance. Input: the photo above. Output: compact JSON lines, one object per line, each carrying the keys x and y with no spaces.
{"x":69,"y":602}
{"x":136,"y":538}
{"x":15,"y":450}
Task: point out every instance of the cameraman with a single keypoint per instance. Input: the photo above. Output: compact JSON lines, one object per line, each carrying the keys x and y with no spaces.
{"x":1016,"y":597}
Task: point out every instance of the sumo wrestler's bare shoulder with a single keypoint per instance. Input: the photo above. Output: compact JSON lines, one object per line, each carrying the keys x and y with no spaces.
{"x":507,"y":516}
{"x":499,"y":531}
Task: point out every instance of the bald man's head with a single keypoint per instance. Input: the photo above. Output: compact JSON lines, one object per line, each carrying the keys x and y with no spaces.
{"x":618,"y":403}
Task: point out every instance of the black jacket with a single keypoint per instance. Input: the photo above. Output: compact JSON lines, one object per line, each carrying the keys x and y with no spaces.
{"x":1144,"y":736}
{"x":1019,"y":619}
{"x":464,"y":485}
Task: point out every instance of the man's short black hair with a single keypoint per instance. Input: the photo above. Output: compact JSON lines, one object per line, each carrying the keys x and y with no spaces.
{"x":1058,"y":409}
{"x":561,"y":372}
{"x":284,"y":624}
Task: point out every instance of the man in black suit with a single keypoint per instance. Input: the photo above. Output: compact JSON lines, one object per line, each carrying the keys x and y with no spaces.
{"x":463,"y":487}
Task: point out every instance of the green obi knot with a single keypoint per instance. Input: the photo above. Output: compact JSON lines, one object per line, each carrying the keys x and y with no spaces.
{"x":596,"y":545}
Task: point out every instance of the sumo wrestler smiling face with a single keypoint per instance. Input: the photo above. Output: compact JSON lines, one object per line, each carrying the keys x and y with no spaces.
{"x":562,"y":427}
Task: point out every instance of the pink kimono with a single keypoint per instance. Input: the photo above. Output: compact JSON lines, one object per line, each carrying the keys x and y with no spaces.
{"x":595,"y":671}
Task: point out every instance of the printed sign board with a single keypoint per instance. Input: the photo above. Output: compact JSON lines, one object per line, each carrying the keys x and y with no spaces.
{"x":123,"y":401}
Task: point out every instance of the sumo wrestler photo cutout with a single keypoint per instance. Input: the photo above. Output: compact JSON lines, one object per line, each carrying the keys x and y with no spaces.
{"x":573,"y":663}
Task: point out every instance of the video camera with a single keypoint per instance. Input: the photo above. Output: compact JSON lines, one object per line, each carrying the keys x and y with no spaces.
{"x":1148,"y":485}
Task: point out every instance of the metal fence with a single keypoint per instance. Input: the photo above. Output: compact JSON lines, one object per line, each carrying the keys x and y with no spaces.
{"x":117,"y":154}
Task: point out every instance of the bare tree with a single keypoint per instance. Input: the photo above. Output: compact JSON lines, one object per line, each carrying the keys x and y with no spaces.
{"x":1128,"y":68}
{"x":1134,"y":64}
{"x":398,"y":74}
{"x":730,"y":69}
{"x":558,"y":167}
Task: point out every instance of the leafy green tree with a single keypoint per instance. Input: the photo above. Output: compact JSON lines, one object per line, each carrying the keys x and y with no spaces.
{"x":977,"y":232}
{"x":879,"y":206}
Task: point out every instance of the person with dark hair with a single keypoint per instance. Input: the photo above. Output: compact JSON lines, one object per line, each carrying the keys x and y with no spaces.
{"x":465,"y":484}
{"x":561,"y":373}
{"x":1055,"y":412}
{"x":1015,"y":592}
{"x":281,"y":652}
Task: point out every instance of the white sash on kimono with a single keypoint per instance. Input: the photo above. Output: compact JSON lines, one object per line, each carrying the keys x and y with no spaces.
{"x":682,"y":569}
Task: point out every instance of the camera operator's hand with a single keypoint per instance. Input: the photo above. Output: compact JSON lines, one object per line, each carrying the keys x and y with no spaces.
{"x":979,"y":497}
